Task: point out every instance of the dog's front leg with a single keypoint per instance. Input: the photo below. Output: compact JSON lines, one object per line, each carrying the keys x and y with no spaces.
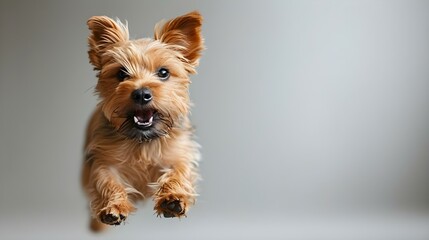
{"x":109,"y":200}
{"x":176,"y":190}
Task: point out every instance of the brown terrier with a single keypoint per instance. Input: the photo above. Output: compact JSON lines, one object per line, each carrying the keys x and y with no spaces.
{"x":139,"y":139}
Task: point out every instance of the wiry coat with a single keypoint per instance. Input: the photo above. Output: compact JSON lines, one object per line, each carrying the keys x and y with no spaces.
{"x":123,"y":164}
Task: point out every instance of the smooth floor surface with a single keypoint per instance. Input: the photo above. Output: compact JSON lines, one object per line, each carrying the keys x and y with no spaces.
{"x":144,"y":225}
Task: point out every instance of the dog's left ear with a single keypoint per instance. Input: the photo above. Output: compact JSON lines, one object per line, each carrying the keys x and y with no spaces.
{"x":185,"y":32}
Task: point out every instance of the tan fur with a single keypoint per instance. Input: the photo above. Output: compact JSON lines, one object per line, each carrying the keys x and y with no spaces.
{"x":118,"y":169}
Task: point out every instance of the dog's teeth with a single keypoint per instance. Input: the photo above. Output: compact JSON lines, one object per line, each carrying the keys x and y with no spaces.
{"x":136,"y":120}
{"x":148,"y":123}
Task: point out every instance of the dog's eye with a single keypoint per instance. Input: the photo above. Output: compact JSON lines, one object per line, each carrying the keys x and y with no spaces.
{"x":163,"y":74}
{"x":123,"y":74}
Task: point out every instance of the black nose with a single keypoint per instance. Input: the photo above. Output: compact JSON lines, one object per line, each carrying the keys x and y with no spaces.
{"x":142,"y":95}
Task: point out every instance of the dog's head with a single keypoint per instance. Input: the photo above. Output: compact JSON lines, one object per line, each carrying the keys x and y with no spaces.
{"x":143,"y":84}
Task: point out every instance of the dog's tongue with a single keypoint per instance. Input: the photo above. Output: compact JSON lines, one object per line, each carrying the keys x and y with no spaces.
{"x":143,"y":117}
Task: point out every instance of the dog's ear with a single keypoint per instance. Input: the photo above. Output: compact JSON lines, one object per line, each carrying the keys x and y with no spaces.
{"x":184,"y":32}
{"x":105,"y":32}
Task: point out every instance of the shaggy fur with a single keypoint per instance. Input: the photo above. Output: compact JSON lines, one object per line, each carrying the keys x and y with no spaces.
{"x":125,"y":162}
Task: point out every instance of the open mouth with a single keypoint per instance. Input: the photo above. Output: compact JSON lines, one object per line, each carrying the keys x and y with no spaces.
{"x":143,"y":118}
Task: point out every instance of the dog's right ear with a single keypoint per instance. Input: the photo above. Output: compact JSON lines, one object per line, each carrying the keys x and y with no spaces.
{"x":105,"y":33}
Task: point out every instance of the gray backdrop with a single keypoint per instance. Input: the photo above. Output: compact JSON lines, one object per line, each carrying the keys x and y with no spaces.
{"x":313,"y":117}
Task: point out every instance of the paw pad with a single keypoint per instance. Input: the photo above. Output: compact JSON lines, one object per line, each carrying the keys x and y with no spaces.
{"x":172,"y":208}
{"x":112,"y":219}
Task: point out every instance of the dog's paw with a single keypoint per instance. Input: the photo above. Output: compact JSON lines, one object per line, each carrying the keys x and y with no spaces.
{"x":174,"y":197}
{"x":114,"y":215}
{"x":171,"y":208}
{"x":112,"y":219}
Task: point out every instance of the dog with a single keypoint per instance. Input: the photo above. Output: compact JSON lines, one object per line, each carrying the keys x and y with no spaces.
{"x":139,"y":140}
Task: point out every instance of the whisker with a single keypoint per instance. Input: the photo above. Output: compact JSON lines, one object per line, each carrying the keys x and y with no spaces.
{"x":116,"y":110}
{"x":92,"y":87}
{"x":123,"y":126}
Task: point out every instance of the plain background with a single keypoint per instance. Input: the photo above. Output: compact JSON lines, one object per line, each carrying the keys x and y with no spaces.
{"x":313,"y":117}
